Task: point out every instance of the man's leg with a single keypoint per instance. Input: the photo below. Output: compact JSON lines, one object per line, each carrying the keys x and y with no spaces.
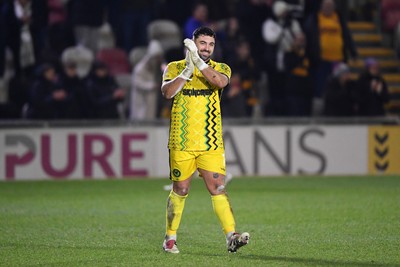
{"x":222,"y":208}
{"x":175,"y":205}
{"x":216,"y":186}
{"x":182,"y":167}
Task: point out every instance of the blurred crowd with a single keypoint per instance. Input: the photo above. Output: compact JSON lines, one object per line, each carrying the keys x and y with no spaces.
{"x":103,"y":59}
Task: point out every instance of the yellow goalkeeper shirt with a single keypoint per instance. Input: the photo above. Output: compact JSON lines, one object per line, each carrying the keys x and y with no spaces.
{"x":196,"y":123}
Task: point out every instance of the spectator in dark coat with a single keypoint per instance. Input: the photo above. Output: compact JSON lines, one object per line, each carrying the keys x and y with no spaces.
{"x":340,"y":93}
{"x":283,"y":37}
{"x":372,"y":90}
{"x":30,"y":18}
{"x":233,"y":35}
{"x":47,"y":98}
{"x":73,"y":84}
{"x":18,"y":90}
{"x":103,"y":92}
{"x":241,"y":95}
{"x":298,"y":88}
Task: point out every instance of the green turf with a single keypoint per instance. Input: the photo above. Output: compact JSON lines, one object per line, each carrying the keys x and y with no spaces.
{"x":306,"y":221}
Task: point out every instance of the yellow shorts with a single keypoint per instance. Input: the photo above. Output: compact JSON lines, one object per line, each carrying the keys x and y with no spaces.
{"x":184,"y":163}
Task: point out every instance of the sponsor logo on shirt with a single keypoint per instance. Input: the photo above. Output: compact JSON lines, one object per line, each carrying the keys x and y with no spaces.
{"x":196,"y":93}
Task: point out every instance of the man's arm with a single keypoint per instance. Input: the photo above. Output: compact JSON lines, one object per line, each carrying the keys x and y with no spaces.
{"x":215,"y":78}
{"x":170,"y":88}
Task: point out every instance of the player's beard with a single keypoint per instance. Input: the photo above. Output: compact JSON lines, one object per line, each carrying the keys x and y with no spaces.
{"x":204,"y":57}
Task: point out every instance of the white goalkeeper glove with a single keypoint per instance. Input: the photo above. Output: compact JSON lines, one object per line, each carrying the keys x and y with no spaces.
{"x":198,"y":62}
{"x":188,"y":71}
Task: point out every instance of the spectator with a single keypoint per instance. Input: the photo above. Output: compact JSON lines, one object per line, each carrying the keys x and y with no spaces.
{"x":372,"y":90}
{"x":340,"y":93}
{"x":240,"y":97}
{"x":60,"y":33}
{"x":283,"y":35}
{"x":25,"y":24}
{"x":73,"y":84}
{"x":232,"y":36}
{"x":146,"y":82}
{"x":298,"y":87}
{"x":47,"y":98}
{"x":234,"y":102}
{"x":103,"y":93}
{"x":198,"y":18}
{"x":18,"y":90}
{"x":328,"y":42}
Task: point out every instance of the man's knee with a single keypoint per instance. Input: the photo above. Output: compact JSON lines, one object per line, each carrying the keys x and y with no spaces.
{"x":181,"y":189}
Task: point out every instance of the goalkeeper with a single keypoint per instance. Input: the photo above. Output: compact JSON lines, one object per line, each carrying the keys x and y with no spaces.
{"x":195,"y":138}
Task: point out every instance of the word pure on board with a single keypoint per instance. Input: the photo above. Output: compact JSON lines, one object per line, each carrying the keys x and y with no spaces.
{"x":59,"y":156}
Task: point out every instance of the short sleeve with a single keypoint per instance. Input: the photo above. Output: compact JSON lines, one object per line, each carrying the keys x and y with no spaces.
{"x":224,"y":69}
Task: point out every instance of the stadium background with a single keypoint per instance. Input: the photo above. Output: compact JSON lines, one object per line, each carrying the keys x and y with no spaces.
{"x":312,"y":191}
{"x":276,"y":145}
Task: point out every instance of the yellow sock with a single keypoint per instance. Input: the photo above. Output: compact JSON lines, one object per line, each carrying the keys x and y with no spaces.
{"x":223,"y":210}
{"x":175,"y":206}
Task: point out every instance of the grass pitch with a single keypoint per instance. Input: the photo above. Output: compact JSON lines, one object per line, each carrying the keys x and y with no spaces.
{"x":306,"y":221}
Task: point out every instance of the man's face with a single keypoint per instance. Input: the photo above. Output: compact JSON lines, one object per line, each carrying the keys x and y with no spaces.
{"x":345,"y":77}
{"x":205,"y":46}
{"x":374,"y":69}
{"x":50,"y":74}
{"x":70,"y":71}
{"x":101,"y":72}
{"x":201,"y":13}
{"x":328,"y":7}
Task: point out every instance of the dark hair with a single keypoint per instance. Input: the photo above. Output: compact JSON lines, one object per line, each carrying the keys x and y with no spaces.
{"x":99,"y":65}
{"x":203,"y":31}
{"x":41,"y":69}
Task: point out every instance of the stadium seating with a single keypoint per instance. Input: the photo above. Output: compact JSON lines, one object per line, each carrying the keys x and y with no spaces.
{"x":116,"y":59}
{"x":82,"y":56}
{"x":106,"y":37}
{"x":136,"y":54}
{"x":165,"y":31}
{"x":369,"y":44}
